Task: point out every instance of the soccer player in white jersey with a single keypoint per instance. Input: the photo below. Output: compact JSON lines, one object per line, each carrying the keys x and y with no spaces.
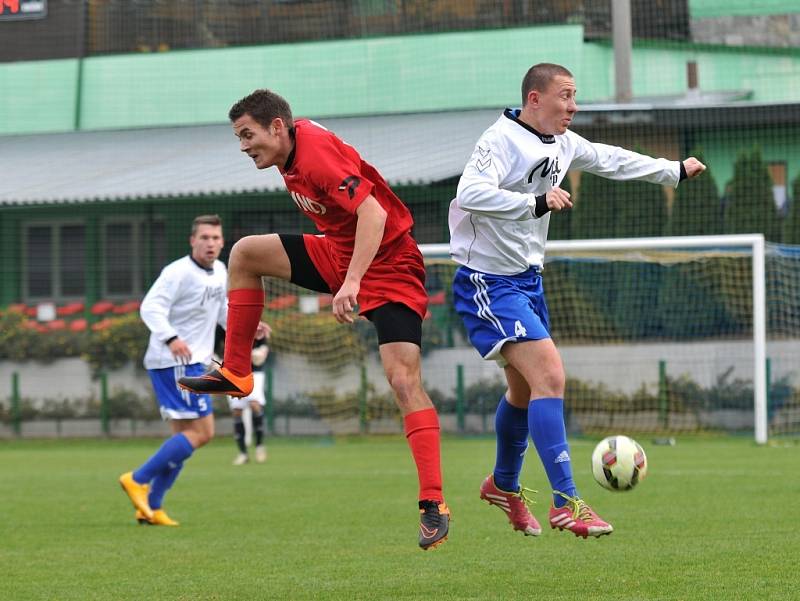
{"x":498,"y":227}
{"x":181,"y":309}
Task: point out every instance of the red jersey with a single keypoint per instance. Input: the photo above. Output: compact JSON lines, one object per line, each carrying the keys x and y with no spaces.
{"x":328,"y":180}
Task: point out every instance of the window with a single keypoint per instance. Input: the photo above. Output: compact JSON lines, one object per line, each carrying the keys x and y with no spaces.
{"x":120,"y":259}
{"x":72,"y":257}
{"x":55,"y":261}
{"x":134,"y":251}
{"x":39,"y":253}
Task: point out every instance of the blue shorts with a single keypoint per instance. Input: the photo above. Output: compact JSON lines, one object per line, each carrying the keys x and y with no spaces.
{"x":497,"y":309}
{"x":175,"y":402}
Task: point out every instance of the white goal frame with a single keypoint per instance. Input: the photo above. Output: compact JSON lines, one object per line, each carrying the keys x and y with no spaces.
{"x":757,"y":249}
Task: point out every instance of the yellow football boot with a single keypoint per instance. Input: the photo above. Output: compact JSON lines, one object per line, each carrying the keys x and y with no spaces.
{"x":137,"y":493}
{"x":160,"y":518}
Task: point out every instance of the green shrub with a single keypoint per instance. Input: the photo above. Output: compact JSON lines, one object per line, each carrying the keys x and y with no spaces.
{"x":20,"y":341}
{"x":115,"y":341}
{"x":696,"y":208}
{"x":750,"y":206}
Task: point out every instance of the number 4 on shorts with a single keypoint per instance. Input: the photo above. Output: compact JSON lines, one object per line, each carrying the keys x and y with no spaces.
{"x":519,"y":329}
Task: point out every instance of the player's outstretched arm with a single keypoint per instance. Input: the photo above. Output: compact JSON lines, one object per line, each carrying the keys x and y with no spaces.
{"x":693,"y":167}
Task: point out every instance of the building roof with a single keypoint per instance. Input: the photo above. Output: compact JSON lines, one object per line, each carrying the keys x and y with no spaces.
{"x":205,"y":160}
{"x":703,"y":111}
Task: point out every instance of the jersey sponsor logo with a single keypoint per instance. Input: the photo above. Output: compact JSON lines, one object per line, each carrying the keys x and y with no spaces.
{"x":212,"y":293}
{"x":484,"y":158}
{"x":304,"y":203}
{"x":350,"y":184}
{"x":548,"y":169}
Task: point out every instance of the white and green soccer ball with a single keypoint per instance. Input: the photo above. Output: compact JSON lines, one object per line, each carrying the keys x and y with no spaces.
{"x":619,"y":463}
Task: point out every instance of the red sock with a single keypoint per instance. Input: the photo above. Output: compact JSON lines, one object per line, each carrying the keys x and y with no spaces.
{"x":244,"y":312}
{"x":422,"y":432}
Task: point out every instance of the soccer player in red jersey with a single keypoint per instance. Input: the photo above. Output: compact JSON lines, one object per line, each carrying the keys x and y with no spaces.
{"x":365,"y":257}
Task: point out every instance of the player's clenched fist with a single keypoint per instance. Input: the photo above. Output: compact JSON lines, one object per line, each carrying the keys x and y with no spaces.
{"x":693,"y":167}
{"x":558,"y":200}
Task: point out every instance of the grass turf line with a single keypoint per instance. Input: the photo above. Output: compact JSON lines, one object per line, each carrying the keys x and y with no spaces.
{"x":337,"y":519}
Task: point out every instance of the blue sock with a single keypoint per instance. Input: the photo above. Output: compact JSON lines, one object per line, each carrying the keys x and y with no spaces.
{"x":174,"y":451}
{"x":546,"y":423}
{"x":162,"y":483}
{"x":511,"y":427}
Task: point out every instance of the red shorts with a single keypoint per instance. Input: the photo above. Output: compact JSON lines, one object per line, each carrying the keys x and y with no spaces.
{"x":395,"y":276}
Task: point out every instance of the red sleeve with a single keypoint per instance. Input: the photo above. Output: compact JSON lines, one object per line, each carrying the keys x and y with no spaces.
{"x":337,"y":173}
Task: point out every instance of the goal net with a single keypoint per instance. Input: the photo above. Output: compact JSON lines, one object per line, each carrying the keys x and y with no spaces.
{"x":661,"y":335}
{"x":673,"y":335}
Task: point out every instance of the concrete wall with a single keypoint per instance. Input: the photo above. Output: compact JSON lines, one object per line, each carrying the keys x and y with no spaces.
{"x":623,"y":368}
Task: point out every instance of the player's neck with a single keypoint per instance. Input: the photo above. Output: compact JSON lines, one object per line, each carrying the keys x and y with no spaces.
{"x":202,"y":262}
{"x":529,"y":118}
{"x":286,"y":158}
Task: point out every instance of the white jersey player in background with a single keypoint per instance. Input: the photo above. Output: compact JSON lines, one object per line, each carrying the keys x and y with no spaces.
{"x":498,"y":227}
{"x":181,"y":309}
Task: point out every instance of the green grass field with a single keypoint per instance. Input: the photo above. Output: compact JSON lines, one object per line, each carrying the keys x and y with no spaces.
{"x":716,"y":519}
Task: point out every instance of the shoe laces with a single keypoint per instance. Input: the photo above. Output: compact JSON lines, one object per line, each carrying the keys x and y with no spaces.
{"x":525,"y":495}
{"x":430,"y":508}
{"x":580,"y":510}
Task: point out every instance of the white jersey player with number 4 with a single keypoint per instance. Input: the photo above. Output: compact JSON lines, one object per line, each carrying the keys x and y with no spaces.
{"x":498,"y":228}
{"x":499,"y":218}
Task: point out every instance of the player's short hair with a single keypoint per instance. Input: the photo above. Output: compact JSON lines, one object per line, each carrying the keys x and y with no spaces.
{"x":539,"y":77}
{"x":205,"y":220}
{"x":263,"y":106}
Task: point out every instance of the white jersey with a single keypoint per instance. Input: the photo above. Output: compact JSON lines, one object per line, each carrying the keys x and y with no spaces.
{"x":493,"y":228}
{"x":187,"y":301}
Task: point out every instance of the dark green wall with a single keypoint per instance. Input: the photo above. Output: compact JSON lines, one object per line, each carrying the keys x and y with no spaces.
{"x":241,"y":214}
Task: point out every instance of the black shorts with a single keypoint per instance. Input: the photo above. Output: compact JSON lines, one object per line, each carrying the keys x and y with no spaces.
{"x":304,"y":274}
{"x":394,"y":322}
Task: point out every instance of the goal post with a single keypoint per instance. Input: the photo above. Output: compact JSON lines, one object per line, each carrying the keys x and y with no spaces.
{"x":660,"y":270}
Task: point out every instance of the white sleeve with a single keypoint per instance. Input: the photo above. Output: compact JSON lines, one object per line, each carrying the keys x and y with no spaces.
{"x":479,"y":188}
{"x":618,"y":163}
{"x":157,"y":303}
{"x":222,"y":315}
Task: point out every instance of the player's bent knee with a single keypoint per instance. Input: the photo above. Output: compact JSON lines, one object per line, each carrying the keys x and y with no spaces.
{"x":244,"y":250}
{"x":401,"y":383}
{"x":261,"y":255}
{"x":205,"y":438}
{"x":409,"y":394}
{"x":550,"y":385}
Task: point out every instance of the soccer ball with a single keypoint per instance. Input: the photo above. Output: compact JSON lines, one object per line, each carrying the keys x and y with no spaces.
{"x":619,"y":463}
